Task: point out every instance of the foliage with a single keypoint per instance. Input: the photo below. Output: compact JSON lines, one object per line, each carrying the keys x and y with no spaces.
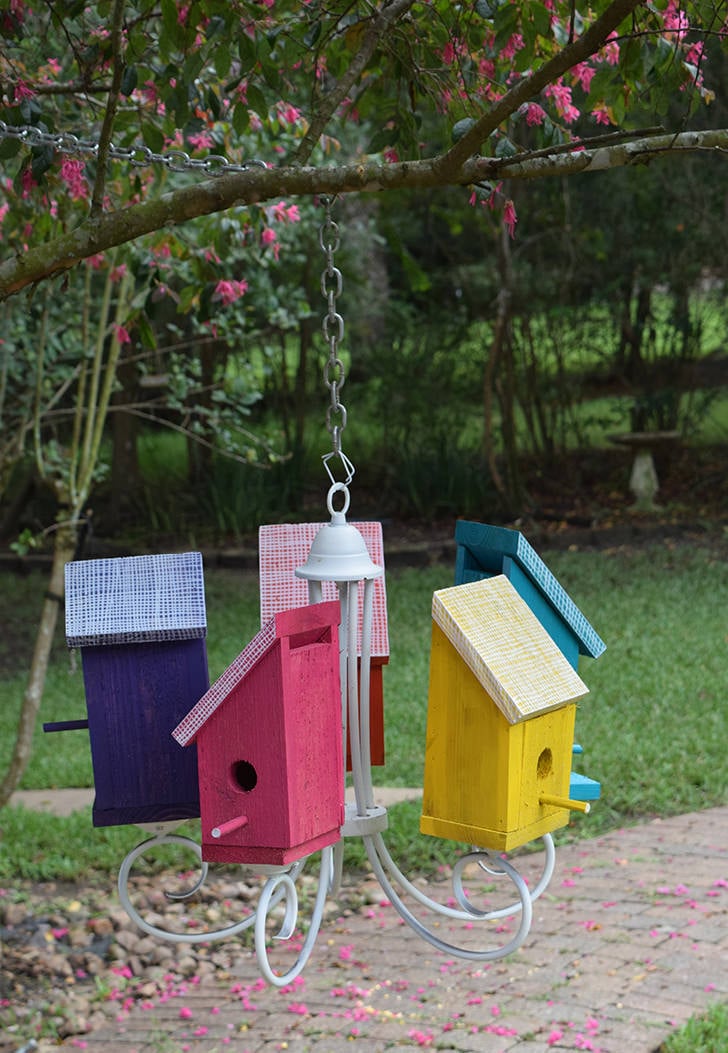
{"x":216,"y":81}
{"x":706,"y":1033}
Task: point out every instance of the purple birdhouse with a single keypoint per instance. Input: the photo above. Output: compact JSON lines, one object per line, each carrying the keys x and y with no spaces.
{"x":140,"y":624}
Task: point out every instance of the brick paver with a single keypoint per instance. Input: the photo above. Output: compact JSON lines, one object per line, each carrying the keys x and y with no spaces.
{"x":629,"y":940}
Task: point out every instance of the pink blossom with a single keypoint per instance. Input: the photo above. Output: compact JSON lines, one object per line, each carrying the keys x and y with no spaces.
{"x":535,"y":114}
{"x":610,"y":51}
{"x":390,"y":155}
{"x":201,"y":141}
{"x":122,"y":335}
{"x":117,"y":273}
{"x":182,"y":14}
{"x":582,"y":75}
{"x":514,"y":44}
{"x":185,"y":1013}
{"x":676,"y":21}
{"x":72,"y":175}
{"x":292,"y":214}
{"x":27,"y":182}
{"x":298,"y":1007}
{"x":289,"y":114}
{"x":555,"y":1036}
{"x":23,"y":91}
{"x":268,"y":236}
{"x":228,"y":291}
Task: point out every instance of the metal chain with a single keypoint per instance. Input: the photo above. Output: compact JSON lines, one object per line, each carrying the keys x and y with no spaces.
{"x":137,"y":156}
{"x":333,"y":330}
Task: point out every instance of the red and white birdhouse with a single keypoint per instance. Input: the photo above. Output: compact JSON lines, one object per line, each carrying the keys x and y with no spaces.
{"x":269,"y":744}
{"x":284,"y":547}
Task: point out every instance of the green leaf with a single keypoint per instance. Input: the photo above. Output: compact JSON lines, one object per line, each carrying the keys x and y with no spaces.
{"x":488,"y":8}
{"x":504,"y":147}
{"x":257,"y":100}
{"x":223,"y":61}
{"x":461,"y":128}
{"x":241,"y":119}
{"x":129,"y":80}
{"x":153,"y":137}
{"x":311,"y":37}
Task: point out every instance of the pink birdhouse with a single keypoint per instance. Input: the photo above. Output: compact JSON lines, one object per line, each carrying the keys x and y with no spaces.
{"x":269,"y":744}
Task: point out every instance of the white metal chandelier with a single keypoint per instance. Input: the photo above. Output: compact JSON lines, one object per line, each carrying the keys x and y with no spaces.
{"x":339,"y":555}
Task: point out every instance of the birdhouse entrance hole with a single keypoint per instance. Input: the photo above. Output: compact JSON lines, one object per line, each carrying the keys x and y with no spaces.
{"x":244,"y":776}
{"x":545,"y":764}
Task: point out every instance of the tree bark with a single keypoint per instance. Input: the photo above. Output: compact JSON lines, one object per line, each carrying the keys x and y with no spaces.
{"x":256,"y":185}
{"x":63,"y":550}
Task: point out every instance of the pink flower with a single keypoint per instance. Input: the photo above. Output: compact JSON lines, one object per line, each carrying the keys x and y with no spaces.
{"x":535,"y":114}
{"x":514,"y":44}
{"x":510,"y":218}
{"x":23,"y":91}
{"x":555,"y":1036}
{"x":582,"y":74}
{"x":298,"y":1007}
{"x":201,"y":141}
{"x":185,"y":1013}
{"x":27,"y":182}
{"x":228,"y":291}
{"x":610,"y":51}
{"x":72,"y":175}
{"x":391,"y":155}
{"x":268,"y":236}
{"x":289,"y":114}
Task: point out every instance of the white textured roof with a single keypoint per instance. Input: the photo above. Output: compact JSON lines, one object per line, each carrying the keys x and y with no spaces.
{"x":135,"y":599}
{"x":503,"y":643}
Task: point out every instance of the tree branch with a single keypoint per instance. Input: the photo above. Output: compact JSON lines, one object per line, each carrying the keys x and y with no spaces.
{"x":99,"y":234}
{"x":117,"y":45}
{"x":586,"y":45}
{"x":379,"y":25}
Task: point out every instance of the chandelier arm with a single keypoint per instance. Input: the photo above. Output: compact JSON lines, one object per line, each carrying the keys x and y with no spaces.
{"x":365,"y":691}
{"x":375,"y":844}
{"x":271,"y":895}
{"x":357,"y":769}
{"x":154,"y":930}
{"x":468,"y":911}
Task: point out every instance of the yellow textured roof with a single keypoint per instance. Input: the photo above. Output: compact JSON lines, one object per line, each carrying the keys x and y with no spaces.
{"x":502,"y":641}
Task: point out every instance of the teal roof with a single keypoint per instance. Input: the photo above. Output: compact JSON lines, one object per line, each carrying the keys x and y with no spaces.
{"x":483,"y":550}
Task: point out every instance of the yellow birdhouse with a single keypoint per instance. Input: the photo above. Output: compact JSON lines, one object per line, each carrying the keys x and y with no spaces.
{"x":500,"y":722}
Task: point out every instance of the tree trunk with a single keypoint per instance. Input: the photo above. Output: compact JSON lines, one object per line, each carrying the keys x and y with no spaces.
{"x":124,"y":460}
{"x":65,"y":541}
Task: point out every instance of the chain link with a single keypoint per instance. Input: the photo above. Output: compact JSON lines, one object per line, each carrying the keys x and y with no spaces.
{"x":333,"y":330}
{"x":137,"y":156}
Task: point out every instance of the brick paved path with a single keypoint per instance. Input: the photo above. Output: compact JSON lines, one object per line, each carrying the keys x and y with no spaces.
{"x":630,"y":939}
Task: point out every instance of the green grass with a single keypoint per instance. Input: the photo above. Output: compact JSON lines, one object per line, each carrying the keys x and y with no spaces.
{"x":706,"y":1033}
{"x":653,"y":727}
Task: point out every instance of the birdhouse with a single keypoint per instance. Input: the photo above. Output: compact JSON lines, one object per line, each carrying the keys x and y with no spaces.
{"x":483,"y":551}
{"x":500,"y":720}
{"x":269,"y":743}
{"x":140,"y":624}
{"x":282,"y":548}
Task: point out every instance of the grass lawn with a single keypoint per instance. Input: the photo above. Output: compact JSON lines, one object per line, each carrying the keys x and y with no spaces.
{"x":653,"y":727}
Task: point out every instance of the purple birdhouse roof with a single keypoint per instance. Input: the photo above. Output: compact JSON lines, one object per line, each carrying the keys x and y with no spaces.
{"x":135,"y":599}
